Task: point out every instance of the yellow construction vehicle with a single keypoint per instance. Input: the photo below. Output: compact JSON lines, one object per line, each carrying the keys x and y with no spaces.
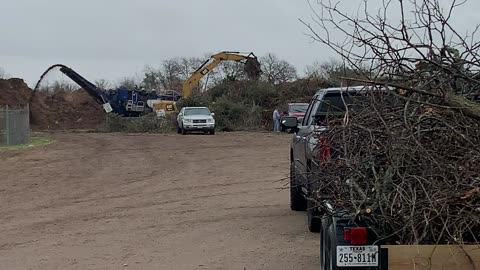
{"x":252,"y":68}
{"x":163,"y":107}
{"x":166,"y":103}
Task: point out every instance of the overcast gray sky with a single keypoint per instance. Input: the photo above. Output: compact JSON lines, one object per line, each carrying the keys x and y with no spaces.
{"x":111,"y":39}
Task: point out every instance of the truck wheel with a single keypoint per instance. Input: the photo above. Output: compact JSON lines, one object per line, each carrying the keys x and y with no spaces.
{"x":331,"y":247}
{"x":314,"y":220}
{"x":179,"y":130}
{"x":324,"y":246}
{"x":297,"y":200}
{"x":328,"y":245}
{"x":184,"y":132}
{"x":212,"y":132}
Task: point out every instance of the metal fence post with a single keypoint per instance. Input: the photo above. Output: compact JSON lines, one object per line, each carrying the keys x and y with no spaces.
{"x":27,"y":117}
{"x":7,"y":125}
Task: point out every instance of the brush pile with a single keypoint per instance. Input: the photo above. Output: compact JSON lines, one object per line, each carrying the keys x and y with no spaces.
{"x":413,"y":160}
{"x":412,"y":155}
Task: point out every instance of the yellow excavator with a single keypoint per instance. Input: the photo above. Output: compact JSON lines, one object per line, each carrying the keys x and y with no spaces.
{"x":251,"y":68}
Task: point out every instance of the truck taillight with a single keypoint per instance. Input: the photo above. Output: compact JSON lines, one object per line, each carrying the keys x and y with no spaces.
{"x":358,"y":236}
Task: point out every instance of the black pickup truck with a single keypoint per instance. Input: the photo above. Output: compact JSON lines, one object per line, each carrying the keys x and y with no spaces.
{"x":343,"y":245}
{"x":306,"y":139}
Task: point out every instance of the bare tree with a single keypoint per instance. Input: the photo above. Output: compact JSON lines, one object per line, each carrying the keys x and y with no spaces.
{"x":103,"y":84}
{"x":171,"y":74}
{"x":168,"y":76}
{"x":62,"y":85}
{"x":151,"y":79}
{"x":411,"y":154}
{"x":320,"y":69}
{"x":171,"y":78}
{"x":189,"y":65}
{"x":334,"y":71}
{"x":128,"y":82}
{"x":276,"y":70}
{"x":421,"y":52}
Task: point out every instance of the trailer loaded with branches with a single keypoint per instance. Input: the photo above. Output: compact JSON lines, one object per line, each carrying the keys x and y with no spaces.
{"x":389,"y":171}
{"x":393,"y":180}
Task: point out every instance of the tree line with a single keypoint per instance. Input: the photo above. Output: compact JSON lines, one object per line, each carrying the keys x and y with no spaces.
{"x":171,"y":73}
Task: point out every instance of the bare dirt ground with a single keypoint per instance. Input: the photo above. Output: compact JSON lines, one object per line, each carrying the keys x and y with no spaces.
{"x":110,"y":201}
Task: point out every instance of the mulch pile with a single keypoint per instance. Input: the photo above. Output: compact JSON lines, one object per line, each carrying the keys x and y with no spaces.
{"x":54,"y":111}
{"x":14,"y":92}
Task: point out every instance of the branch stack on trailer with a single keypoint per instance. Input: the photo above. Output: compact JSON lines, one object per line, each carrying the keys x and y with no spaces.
{"x":405,"y":164}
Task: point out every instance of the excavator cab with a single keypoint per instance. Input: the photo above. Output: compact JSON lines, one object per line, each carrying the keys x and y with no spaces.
{"x":164,"y":107}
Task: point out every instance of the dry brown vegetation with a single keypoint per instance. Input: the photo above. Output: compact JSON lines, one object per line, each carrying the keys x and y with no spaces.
{"x":412,"y":154}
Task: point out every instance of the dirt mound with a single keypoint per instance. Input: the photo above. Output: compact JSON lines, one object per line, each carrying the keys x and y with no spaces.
{"x":58,"y":110}
{"x":14,"y":92}
{"x":65,"y":110}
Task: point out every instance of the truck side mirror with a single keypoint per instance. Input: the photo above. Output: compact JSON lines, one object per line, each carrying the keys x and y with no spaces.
{"x":289,"y":121}
{"x":212,"y":114}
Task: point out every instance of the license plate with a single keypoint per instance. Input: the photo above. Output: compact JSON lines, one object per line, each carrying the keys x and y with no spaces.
{"x":357,"y":256}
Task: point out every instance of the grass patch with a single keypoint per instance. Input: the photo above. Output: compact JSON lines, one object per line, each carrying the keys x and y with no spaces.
{"x":35,"y":141}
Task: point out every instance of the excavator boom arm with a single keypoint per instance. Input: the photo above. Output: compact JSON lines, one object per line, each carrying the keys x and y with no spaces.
{"x":198,"y":75}
{"x":209,"y":65}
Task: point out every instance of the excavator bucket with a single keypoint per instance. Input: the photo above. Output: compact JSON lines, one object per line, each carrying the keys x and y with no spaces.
{"x":252,"y":68}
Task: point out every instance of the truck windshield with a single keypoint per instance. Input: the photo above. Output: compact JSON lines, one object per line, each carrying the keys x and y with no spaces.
{"x":197,"y":111}
{"x":298,"y":108}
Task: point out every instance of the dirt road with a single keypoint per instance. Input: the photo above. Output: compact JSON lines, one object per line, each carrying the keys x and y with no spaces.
{"x":107,"y":201}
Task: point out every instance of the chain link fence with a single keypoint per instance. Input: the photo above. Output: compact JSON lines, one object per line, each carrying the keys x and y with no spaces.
{"x":14,"y":125}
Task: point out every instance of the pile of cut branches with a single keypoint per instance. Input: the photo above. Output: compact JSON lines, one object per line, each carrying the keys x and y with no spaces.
{"x":416,"y":165}
{"x":412,"y":155}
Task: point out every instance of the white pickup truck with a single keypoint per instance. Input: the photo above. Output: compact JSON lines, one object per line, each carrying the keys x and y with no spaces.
{"x":195,"y":119}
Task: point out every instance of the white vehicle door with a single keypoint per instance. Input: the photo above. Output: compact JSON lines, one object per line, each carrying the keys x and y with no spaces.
{"x":180,"y":117}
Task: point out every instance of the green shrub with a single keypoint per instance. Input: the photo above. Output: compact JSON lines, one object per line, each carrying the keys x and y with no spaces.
{"x":143,"y":124}
{"x":262,"y":94}
{"x":194,"y":101}
{"x":247,"y":92}
{"x":231,"y":116}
